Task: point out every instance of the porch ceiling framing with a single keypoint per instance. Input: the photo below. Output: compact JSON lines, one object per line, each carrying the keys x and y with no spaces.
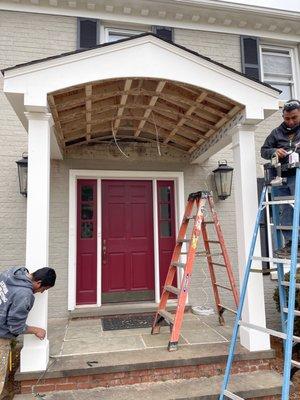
{"x":139,"y":109}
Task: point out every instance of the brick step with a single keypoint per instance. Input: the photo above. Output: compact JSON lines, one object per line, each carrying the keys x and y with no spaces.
{"x":263,"y":385}
{"x":149,"y":365}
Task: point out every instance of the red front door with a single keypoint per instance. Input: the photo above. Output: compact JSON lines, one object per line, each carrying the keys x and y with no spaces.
{"x":166,"y":228}
{"x":86,"y":269}
{"x":127,"y":241}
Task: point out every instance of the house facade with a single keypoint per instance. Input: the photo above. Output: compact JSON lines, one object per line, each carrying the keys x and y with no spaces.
{"x":124,"y":108}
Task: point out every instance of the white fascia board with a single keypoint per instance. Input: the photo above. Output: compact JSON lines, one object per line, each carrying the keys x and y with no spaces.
{"x":150,"y":20}
{"x":135,"y":58}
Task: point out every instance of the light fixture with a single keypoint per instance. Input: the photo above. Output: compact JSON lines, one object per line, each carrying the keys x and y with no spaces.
{"x":223,"y":179}
{"x":22,"y":172}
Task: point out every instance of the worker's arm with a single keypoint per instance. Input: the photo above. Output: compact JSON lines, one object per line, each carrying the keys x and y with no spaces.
{"x":269,"y":148}
{"x":38,"y":332}
{"x":18,"y":312}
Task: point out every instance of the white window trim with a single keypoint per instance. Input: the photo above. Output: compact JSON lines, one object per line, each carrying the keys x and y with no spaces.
{"x":293,"y":50}
{"x":103,"y":174}
{"x":125,"y":29}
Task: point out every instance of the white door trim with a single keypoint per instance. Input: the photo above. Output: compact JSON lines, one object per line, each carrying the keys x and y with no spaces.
{"x":105,"y":174}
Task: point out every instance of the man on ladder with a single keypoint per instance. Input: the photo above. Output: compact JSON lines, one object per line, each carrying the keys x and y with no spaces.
{"x":282,"y":141}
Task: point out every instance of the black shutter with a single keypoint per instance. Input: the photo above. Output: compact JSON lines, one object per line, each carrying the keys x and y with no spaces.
{"x":88,"y":33}
{"x":163,"y":32}
{"x":250,"y":56}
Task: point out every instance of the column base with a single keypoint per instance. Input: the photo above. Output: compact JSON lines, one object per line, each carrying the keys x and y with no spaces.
{"x":34,"y":355}
{"x":254,"y":340}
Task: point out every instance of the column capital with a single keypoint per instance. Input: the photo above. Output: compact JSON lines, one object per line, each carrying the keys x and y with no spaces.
{"x":244,"y":128}
{"x":38,"y":116}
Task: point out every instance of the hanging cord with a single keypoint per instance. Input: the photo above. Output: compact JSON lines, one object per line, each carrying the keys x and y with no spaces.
{"x":157,"y":135}
{"x":116,"y":142}
{"x":33,"y":391}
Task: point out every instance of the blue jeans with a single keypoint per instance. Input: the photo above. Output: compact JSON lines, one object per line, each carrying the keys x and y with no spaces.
{"x":286,"y":210}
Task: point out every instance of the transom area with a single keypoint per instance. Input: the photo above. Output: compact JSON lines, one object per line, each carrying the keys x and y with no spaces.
{"x":139,"y":109}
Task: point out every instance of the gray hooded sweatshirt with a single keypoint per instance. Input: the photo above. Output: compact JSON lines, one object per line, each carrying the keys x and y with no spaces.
{"x":16,"y":300}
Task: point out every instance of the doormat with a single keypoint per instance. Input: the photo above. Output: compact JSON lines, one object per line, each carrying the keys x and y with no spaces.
{"x":127,"y":322}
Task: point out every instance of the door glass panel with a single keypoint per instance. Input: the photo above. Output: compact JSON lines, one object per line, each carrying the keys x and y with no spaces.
{"x":87,"y":193}
{"x":86,"y":211}
{"x":165,"y":229}
{"x":86,"y":230}
{"x":165,"y":193}
{"x":165,"y":211}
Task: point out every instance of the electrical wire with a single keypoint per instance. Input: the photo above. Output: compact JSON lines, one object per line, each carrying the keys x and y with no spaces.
{"x":157,"y":135}
{"x":33,"y":391}
{"x":115,"y":139}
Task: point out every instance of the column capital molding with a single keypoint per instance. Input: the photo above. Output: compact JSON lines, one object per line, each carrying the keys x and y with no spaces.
{"x":39,"y":116}
{"x":244,"y":128}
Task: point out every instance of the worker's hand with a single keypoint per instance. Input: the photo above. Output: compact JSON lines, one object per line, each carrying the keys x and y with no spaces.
{"x":281,"y":153}
{"x":40,"y":333}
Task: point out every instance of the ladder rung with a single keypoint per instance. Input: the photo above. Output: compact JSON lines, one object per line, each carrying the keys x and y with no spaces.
{"x":219,"y":264}
{"x":208,"y":222}
{"x":269,"y":331}
{"x":183,"y":240}
{"x":284,"y":198}
{"x":284,"y":228}
{"x":172,"y":289}
{"x":223,"y":286}
{"x":227,"y":308}
{"x":274,"y":202}
{"x":232,"y":396}
{"x":261,"y":271}
{"x":212,"y":241}
{"x":284,"y":283}
{"x":167,"y":316}
{"x":296,"y":312}
{"x":178,"y":264}
{"x":295,"y":364}
{"x":271,"y":259}
{"x":190,"y":217}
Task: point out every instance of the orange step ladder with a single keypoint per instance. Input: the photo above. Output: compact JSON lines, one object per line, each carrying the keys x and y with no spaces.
{"x":198,"y":200}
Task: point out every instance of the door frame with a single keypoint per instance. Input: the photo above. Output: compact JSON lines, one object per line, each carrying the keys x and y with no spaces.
{"x":154,"y":176}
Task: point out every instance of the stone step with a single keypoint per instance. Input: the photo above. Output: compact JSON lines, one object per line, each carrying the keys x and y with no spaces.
{"x":255,"y":385}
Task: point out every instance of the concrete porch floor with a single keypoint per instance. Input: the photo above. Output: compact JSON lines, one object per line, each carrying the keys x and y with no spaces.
{"x":86,"y":336}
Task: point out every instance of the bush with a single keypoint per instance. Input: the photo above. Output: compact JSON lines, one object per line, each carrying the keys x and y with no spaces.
{"x":297,"y":300}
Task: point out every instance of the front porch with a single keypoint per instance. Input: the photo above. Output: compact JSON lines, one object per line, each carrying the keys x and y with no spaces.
{"x":122,"y":363}
{"x":74,"y":104}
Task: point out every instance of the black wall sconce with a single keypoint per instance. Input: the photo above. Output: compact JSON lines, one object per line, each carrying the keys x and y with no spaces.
{"x":22,"y":172}
{"x":223,"y":179}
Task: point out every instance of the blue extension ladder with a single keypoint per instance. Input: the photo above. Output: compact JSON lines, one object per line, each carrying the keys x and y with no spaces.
{"x":286,"y":307}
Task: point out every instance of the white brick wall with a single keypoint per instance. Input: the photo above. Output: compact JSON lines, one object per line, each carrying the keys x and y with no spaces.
{"x":25,"y":37}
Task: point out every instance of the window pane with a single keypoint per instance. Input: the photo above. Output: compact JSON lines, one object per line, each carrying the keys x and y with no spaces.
{"x":86,"y":230}
{"x":165,"y":211}
{"x":86,"y":211}
{"x":87,"y":193}
{"x":165,"y":229}
{"x":277,"y":64}
{"x":112,"y":37}
{"x":165,"y":193}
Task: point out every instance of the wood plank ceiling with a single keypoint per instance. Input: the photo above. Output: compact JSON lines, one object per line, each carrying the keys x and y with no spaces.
{"x":135,"y":109}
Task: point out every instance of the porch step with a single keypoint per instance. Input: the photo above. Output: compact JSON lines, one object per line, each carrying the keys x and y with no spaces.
{"x":255,"y":385}
{"x":119,"y":309}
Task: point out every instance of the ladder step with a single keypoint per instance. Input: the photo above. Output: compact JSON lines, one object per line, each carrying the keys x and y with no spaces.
{"x":219,"y":264}
{"x":284,"y":198}
{"x":223,"y":286}
{"x":296,"y":312}
{"x":183,"y":240}
{"x":277,"y":202}
{"x":227,"y":308}
{"x":284,"y":228}
{"x":295,"y":364}
{"x":262,"y":271}
{"x":208,"y":222}
{"x":212,"y":241}
{"x":269,"y":331}
{"x":232,"y":396}
{"x":190,"y":217}
{"x":167,"y":316}
{"x":178,"y":264}
{"x":284,"y":283}
{"x":271,"y":259}
{"x":172,"y":289}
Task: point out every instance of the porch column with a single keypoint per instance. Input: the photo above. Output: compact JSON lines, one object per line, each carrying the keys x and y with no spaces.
{"x":246,"y":205}
{"x":35,"y":352}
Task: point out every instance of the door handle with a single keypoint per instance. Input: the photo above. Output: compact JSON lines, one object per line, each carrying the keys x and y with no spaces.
{"x":104,"y":247}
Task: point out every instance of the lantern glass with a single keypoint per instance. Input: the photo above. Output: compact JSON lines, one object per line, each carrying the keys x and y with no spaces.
{"x":22,"y":172}
{"x":223,"y":179}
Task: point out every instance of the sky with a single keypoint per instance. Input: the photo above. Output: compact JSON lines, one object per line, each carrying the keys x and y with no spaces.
{"x":288,"y":5}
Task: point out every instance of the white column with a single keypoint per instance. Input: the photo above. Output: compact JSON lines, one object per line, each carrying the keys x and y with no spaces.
{"x":35,"y":352}
{"x":246,"y":205}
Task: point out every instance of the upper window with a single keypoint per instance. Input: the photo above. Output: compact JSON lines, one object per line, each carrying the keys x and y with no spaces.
{"x":277,"y":69}
{"x":114,"y":34}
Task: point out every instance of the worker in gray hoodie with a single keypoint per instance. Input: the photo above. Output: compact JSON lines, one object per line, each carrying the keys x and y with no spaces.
{"x":17,"y":289}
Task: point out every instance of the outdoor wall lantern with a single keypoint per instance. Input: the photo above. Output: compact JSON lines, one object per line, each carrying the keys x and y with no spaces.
{"x":22,"y":172}
{"x":223,"y":179}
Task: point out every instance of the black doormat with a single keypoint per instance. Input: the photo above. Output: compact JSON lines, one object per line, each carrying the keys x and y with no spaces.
{"x":127,"y":322}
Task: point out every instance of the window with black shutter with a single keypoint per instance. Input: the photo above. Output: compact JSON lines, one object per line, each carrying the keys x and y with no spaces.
{"x":88,"y":33}
{"x":250,"y":56}
{"x":164,"y":32}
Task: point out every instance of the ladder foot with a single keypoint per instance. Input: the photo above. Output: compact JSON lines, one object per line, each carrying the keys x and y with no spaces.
{"x":155,"y":330}
{"x":221,"y":320}
{"x":173,"y":346}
